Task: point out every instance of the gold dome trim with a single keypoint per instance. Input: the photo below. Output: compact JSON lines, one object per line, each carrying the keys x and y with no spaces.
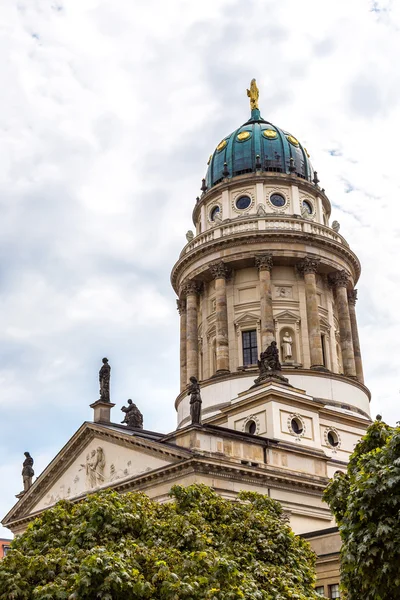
{"x":243,"y":135}
{"x":292,"y":140}
{"x":270,"y":134}
{"x":222,"y":145}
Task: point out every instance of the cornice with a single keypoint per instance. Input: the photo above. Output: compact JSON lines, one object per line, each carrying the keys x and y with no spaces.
{"x":253,"y":374}
{"x":266,"y":475}
{"x":266,"y":236}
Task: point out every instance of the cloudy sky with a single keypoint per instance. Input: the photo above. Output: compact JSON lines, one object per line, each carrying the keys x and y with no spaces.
{"x":109,"y":110}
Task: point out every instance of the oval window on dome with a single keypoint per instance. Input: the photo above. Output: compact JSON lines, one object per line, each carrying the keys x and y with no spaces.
{"x":270,"y":134}
{"x":243,"y":136}
{"x":222,"y":145}
{"x":214,"y":212}
{"x":277,"y":200}
{"x":243,"y":202}
{"x":292,"y":140}
{"x":307,"y":206}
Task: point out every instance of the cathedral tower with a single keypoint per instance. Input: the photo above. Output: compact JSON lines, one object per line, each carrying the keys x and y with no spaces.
{"x":265,"y":265}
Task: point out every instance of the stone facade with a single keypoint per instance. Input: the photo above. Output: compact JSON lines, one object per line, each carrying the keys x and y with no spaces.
{"x":275,"y":270}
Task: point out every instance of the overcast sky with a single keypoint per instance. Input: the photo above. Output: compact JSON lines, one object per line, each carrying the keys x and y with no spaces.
{"x":109,"y":110}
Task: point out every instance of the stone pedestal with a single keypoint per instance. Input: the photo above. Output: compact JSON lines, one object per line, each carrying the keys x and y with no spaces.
{"x":220,"y":273}
{"x":264,"y":264}
{"x":181,"y":304}
{"x":352,"y":299}
{"x":102,"y":411}
{"x":309,"y":267}
{"x":191,"y":289}
{"x":340,"y":281}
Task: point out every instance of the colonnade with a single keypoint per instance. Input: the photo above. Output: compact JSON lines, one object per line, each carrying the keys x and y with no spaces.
{"x":308,"y":267}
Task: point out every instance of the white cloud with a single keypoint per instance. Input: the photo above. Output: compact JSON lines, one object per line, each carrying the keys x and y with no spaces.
{"x":108,"y":113}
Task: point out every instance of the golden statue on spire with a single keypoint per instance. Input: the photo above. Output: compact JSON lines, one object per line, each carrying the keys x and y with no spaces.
{"x":253,"y":94}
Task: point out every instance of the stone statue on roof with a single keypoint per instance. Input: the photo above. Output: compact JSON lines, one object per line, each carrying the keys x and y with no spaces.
{"x":27,"y":471}
{"x":133,"y":417}
{"x":253,"y":94}
{"x":104,"y":380}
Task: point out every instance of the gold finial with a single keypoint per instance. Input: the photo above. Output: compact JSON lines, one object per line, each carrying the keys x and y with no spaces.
{"x":253,"y":94}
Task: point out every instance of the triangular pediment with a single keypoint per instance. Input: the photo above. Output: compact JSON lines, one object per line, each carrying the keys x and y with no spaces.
{"x":246,"y":318}
{"x":287,"y":316}
{"x":96,"y":457}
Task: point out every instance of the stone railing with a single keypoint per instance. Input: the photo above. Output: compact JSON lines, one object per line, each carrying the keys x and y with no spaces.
{"x":261,"y":224}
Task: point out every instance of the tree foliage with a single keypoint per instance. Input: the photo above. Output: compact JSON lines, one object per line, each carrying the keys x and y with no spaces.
{"x":366,"y":504}
{"x":114,"y":546}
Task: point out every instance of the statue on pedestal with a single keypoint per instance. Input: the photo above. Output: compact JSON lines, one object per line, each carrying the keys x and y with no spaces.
{"x":269,"y":365}
{"x":133,"y":417}
{"x":104,"y":380}
{"x":195,"y":401}
{"x":27,"y":471}
{"x":287,"y":342}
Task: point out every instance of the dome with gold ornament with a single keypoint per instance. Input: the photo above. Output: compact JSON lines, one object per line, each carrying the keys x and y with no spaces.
{"x":258,"y":146}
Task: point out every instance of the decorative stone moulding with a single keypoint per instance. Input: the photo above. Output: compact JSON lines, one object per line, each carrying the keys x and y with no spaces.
{"x":244,"y":192}
{"x":249,"y":419}
{"x":296,"y":417}
{"x":282,"y":192}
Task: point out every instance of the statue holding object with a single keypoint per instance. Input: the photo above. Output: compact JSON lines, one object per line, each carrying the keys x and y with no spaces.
{"x":270,"y":366}
{"x":133,"y":417}
{"x":195,"y":401}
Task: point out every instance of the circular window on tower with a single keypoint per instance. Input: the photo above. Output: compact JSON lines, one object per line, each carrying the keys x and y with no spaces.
{"x":332,"y":438}
{"x":251,"y":427}
{"x":307,"y":207}
{"x":214,"y":212}
{"x":243,"y":202}
{"x":296,"y":426}
{"x":277,"y":200}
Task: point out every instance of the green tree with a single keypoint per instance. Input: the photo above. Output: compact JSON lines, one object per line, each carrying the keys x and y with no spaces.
{"x":114,"y":546}
{"x":366,"y":504}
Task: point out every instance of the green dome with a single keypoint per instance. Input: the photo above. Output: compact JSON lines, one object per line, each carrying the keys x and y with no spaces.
{"x":258,"y":146}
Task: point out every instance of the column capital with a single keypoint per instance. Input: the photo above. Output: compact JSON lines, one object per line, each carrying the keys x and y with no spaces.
{"x":192,"y":287}
{"x":339,"y":279}
{"x":309,"y":264}
{"x":264,"y":262}
{"x":352,"y":296}
{"x":219,"y":270}
{"x":181,"y":306}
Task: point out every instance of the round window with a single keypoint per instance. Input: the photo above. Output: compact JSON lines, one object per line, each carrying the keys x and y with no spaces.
{"x":277,"y":200}
{"x":296,"y":426}
{"x":214,"y":212}
{"x":333,"y":439}
{"x":251,"y":427}
{"x":308,"y":207}
{"x":243,"y":202}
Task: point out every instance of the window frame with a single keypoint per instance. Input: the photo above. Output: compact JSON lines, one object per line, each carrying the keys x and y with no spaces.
{"x":252,"y":347}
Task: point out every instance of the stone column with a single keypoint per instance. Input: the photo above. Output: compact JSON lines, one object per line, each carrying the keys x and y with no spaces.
{"x":352,"y":299}
{"x":181,"y":305}
{"x":264,"y":264}
{"x":191,"y":289}
{"x":340,"y":280}
{"x":220,"y":273}
{"x":309,"y":267}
